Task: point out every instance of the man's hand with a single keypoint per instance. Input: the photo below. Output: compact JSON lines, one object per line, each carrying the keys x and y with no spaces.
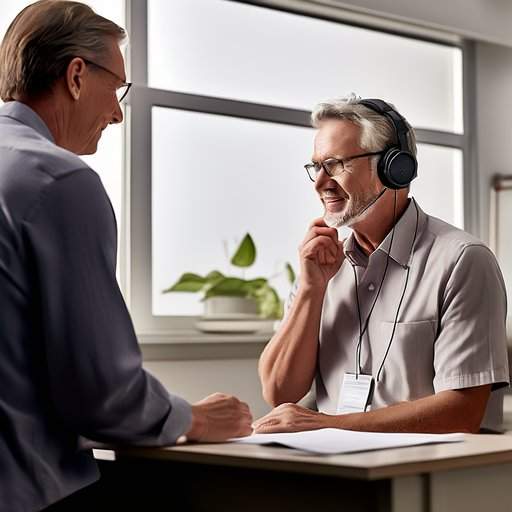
{"x":292,"y":418}
{"x":321,"y":254}
{"x":219,"y":417}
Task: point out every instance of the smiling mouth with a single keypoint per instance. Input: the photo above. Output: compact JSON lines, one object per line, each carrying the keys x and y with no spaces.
{"x":334,"y":203}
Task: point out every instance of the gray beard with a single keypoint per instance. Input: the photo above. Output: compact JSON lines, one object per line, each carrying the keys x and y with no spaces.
{"x":356,"y":207}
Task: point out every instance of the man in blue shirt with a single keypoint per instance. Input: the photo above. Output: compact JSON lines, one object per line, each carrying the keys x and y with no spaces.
{"x":71,"y":365}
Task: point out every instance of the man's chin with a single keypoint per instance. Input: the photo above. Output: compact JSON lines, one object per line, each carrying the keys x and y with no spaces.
{"x":335,"y":220}
{"x":92,"y":145}
{"x":341,"y":219}
{"x":90,"y":149}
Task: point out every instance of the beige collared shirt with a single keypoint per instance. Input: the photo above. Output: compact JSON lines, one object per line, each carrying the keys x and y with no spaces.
{"x":450,"y":332}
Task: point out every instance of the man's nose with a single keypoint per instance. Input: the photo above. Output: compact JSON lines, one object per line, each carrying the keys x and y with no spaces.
{"x":322,"y":180}
{"x":117,"y":115}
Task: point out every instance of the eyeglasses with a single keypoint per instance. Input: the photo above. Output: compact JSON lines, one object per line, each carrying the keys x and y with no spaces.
{"x":122,"y":90}
{"x":333,"y":166}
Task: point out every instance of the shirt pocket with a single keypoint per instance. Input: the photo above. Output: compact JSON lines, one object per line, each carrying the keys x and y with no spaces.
{"x":408,"y":370}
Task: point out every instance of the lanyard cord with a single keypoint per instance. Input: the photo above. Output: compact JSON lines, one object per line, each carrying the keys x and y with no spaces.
{"x":403,"y":293}
{"x":358,"y":351}
{"x":362,"y":330}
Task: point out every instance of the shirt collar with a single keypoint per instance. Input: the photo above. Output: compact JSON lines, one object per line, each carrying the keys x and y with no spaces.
{"x":412,"y":221}
{"x":354,"y":253}
{"x":25,"y":115}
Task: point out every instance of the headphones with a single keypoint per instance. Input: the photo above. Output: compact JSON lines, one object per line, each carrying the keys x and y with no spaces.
{"x":397,"y":167}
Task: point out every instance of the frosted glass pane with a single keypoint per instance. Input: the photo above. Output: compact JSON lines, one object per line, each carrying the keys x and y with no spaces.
{"x":112,"y":10}
{"x":10,"y":8}
{"x":250,"y":53}
{"x":439,"y":186}
{"x":215,"y":178}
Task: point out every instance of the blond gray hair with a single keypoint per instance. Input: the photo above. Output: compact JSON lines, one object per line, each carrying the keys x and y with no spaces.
{"x":377,"y":131}
{"x":42,"y":40}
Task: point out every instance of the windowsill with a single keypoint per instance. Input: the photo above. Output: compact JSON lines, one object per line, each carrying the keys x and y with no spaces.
{"x":191,"y":344}
{"x":193,"y":336}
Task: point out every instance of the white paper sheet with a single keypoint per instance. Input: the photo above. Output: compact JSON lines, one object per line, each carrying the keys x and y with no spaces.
{"x":332,"y":440}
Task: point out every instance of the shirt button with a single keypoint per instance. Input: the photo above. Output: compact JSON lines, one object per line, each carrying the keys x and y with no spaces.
{"x":371,"y":287}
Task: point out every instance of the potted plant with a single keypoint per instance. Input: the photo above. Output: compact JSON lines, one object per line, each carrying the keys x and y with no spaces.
{"x":234,"y":297}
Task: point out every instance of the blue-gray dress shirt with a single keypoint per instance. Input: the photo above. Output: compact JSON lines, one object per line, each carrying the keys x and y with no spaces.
{"x":70,"y":365}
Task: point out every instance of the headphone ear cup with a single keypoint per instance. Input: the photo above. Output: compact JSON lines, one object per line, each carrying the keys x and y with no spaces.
{"x":382,"y":169}
{"x":399,"y":168}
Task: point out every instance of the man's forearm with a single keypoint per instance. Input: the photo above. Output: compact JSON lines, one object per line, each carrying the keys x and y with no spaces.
{"x":447,"y":411}
{"x":287,"y":365}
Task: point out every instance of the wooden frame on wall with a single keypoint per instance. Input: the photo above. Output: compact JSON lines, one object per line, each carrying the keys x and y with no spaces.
{"x":501,"y":233}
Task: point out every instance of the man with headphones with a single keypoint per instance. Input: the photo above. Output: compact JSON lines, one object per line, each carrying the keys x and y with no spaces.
{"x":401,"y":327}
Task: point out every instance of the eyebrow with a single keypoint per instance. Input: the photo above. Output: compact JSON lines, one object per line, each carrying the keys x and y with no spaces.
{"x":120,"y":77}
{"x":328,"y":158}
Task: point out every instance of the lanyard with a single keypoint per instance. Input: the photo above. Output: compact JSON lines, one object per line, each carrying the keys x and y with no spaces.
{"x":362,"y":330}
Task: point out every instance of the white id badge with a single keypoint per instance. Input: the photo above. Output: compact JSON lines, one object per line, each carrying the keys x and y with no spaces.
{"x":356,"y":393}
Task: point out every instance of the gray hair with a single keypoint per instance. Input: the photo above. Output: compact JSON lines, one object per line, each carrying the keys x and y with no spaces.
{"x":42,"y":40}
{"x":377,"y":131}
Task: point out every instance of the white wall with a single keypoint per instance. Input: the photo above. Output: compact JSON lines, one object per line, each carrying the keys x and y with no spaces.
{"x":493,"y":120}
{"x":483,"y":20}
{"x":193,"y":380}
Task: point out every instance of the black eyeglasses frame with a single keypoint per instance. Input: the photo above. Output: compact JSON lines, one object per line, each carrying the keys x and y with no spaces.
{"x":125,"y":85}
{"x":313,"y":168}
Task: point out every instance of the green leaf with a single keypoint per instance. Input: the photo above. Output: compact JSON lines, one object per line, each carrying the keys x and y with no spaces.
{"x":214,"y":275}
{"x":188,"y":282}
{"x":290,"y":272}
{"x":246,"y":253}
{"x":228,"y":286}
{"x":269,"y":303}
{"x":255,"y":284}
{"x":212,"y":279}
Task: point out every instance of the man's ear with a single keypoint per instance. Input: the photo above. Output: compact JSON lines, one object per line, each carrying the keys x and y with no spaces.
{"x":74,"y":77}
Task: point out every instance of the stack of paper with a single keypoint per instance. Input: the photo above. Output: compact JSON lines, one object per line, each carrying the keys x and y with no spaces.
{"x":332,"y":440}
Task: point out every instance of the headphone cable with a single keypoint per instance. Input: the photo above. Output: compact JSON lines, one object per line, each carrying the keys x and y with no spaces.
{"x":362,"y":330}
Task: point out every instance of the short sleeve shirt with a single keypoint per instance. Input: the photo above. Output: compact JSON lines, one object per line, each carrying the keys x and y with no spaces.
{"x":449,"y":331}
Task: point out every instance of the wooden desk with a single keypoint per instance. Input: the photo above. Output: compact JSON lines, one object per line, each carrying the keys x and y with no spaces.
{"x":471,"y":477}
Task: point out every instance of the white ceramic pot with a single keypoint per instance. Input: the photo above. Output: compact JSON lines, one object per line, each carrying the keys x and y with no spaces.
{"x":230,"y":307}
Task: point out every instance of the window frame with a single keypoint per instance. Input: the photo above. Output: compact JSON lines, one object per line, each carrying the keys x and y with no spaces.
{"x":136,"y":239}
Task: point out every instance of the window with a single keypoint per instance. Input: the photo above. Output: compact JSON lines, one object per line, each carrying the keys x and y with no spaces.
{"x":439,"y":185}
{"x":216,"y":178}
{"x":221,"y":129}
{"x":262,"y":55}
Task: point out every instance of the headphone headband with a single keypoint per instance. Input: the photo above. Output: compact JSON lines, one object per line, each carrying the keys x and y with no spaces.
{"x":397,"y":120}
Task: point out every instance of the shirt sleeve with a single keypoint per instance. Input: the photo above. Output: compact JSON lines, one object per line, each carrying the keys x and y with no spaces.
{"x":93,"y":360}
{"x":471,"y":346}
